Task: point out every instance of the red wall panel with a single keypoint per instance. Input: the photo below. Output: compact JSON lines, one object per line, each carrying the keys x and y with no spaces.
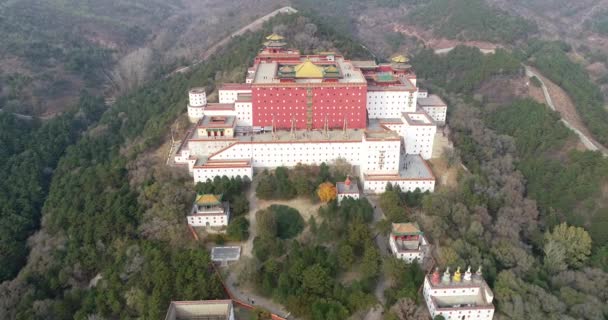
{"x":286,"y":103}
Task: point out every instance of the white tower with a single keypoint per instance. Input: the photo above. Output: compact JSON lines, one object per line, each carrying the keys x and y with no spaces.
{"x":197,"y":103}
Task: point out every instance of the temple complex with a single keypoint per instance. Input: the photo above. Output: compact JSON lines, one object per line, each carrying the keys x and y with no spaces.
{"x":209,"y":211}
{"x":408,"y":243}
{"x":310,"y":109}
{"x":458,"y":296}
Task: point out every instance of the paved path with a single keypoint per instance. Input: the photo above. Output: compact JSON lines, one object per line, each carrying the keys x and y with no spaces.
{"x":247,"y":248}
{"x":19,"y":116}
{"x":382,"y":242}
{"x":246,"y":294}
{"x":588,"y":142}
{"x":29,"y":118}
{"x":249,"y":297}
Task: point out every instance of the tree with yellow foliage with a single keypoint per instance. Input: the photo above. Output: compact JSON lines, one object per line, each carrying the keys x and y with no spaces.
{"x":327,"y":191}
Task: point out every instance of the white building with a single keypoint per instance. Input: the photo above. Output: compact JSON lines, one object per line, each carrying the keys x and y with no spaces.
{"x":229,"y":92}
{"x":347,"y":189}
{"x":407,"y":242}
{"x":457,"y":297}
{"x":393,"y":148}
{"x":419,"y":133}
{"x":199,"y":310}
{"x":209,"y":211}
{"x":383,"y":103}
{"x":389,"y":150}
{"x":414,"y":173}
{"x":434,"y":106}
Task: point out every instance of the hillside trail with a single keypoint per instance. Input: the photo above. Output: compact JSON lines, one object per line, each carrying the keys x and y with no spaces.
{"x":567,"y":111}
{"x":256,"y":24}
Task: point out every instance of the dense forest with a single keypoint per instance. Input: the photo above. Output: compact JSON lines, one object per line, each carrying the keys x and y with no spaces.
{"x":599,"y":22}
{"x":310,"y":267}
{"x":29,"y":153}
{"x":507,"y":213}
{"x":464,"y":68}
{"x":117,"y":223}
{"x":566,"y":187}
{"x":471,"y":20}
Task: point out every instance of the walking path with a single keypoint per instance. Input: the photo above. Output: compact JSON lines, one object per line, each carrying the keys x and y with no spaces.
{"x":382,"y":242}
{"x":247,"y":296}
{"x":587,"y":141}
{"x":247,"y":248}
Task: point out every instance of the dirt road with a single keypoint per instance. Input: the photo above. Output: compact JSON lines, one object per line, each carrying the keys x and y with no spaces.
{"x":569,"y":115}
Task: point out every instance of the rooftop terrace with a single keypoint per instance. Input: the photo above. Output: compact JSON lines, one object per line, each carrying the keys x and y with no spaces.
{"x":364,"y":64}
{"x":431,"y":101}
{"x":471,"y":293}
{"x":200,"y":310}
{"x":412,"y":167}
{"x":402,"y":85}
{"x":217,"y":121}
{"x":417,"y":119}
{"x":267,"y":72}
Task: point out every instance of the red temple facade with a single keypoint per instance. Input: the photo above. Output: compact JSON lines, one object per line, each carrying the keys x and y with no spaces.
{"x":309,"y":105}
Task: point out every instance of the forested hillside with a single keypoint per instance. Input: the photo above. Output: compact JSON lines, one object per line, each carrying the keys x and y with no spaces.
{"x":112,"y":241}
{"x":507,"y":213}
{"x":119,"y":223}
{"x":29,"y":152}
{"x":96,"y":231}
{"x":471,"y":20}
{"x":599,"y":22}
{"x":552,"y":60}
{"x":51,"y":50}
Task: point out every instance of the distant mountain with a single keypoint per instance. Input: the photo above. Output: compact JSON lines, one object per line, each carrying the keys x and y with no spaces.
{"x":51,"y":50}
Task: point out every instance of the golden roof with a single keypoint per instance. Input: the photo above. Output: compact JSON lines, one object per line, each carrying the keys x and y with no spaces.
{"x":308,"y":69}
{"x":405,"y":228}
{"x":206,"y":199}
{"x":400,"y":59}
{"x":274,"y":37}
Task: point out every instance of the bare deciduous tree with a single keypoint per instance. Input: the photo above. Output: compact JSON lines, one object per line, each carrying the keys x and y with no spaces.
{"x":132,"y":70}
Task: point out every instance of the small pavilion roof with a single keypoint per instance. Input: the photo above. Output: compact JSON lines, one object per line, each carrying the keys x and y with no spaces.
{"x":274,"y":37}
{"x":400,"y":59}
{"x":208,"y":199}
{"x":406,"y":229}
